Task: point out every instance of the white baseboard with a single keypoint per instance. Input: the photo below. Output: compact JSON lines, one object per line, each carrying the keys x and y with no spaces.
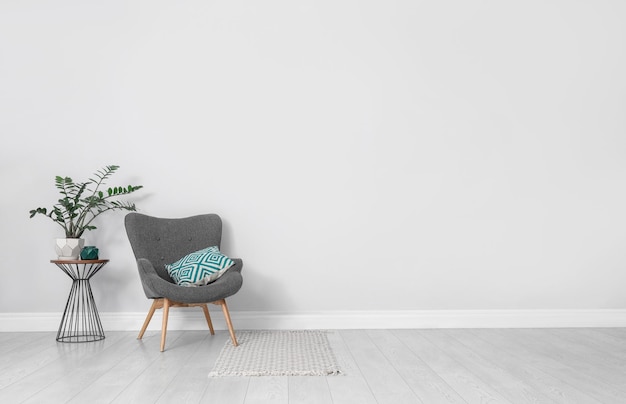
{"x":192,"y":319}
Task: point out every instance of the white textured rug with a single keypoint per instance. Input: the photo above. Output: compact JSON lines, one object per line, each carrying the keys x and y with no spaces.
{"x":277,"y":353}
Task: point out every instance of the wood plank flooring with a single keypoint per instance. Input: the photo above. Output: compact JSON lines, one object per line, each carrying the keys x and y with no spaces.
{"x":575,"y":365}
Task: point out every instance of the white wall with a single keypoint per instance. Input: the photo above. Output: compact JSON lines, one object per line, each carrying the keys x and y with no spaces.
{"x":364,"y":155}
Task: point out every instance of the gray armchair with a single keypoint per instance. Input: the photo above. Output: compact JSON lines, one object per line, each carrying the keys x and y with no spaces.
{"x":157,"y":242}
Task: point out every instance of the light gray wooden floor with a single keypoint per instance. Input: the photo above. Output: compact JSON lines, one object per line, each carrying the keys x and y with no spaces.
{"x":380,"y":366}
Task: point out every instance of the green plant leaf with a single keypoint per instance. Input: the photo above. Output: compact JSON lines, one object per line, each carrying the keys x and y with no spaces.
{"x":82,"y":202}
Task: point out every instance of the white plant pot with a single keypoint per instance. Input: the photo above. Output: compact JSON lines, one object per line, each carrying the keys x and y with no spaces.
{"x":69,"y":248}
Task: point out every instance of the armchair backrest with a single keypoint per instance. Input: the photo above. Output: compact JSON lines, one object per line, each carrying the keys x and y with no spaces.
{"x":163,"y":241}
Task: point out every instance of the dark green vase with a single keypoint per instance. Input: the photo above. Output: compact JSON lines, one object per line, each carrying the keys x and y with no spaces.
{"x":89,"y":253}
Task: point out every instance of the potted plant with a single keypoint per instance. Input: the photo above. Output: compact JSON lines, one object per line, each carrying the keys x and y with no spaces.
{"x":80,"y":204}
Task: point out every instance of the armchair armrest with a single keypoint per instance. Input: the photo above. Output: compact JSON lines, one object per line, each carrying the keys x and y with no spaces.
{"x":153,"y":284}
{"x":237,"y":266}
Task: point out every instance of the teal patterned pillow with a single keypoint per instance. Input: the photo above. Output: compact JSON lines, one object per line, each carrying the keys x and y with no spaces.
{"x":199,"y":268}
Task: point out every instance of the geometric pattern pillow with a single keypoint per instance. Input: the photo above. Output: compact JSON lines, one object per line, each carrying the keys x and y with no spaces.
{"x":199,"y":268}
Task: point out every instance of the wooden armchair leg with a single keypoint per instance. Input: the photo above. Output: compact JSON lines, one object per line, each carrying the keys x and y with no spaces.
{"x":166,"y":312}
{"x":228,"y":322}
{"x":155,"y":305}
{"x":205,"y":309}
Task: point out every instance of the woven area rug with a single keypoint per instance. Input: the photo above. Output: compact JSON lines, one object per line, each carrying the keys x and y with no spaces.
{"x":277,"y":353}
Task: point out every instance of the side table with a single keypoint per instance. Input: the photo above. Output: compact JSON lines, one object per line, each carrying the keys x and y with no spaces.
{"x":80,"y":322}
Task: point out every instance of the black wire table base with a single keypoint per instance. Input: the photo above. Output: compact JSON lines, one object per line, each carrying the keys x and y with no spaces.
{"x":80,"y":322}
